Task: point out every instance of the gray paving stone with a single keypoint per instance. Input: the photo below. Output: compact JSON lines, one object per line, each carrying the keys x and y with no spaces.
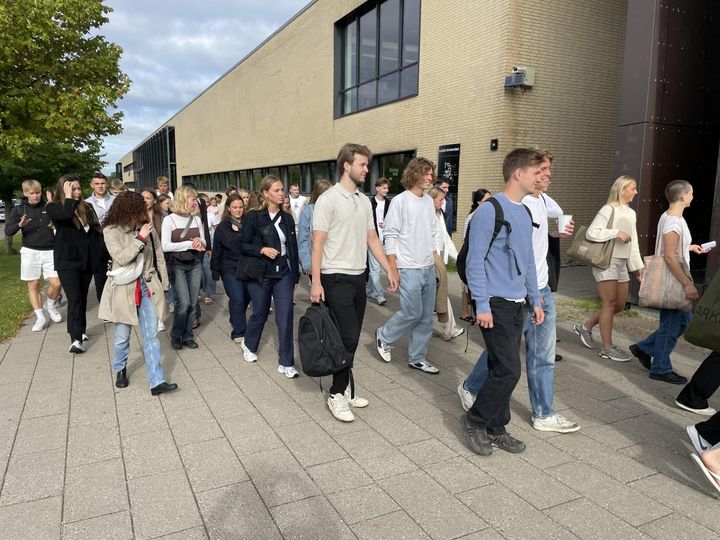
{"x":310,"y":519}
{"x":587,"y":520}
{"x":609,"y":493}
{"x":278,"y":477}
{"x":485,"y":534}
{"x":108,"y":527}
{"x":510,"y":515}
{"x":310,"y":444}
{"x":542,"y":454}
{"x":249,"y":434}
{"x":141,"y":417}
{"x":457,"y":475}
{"x":188,"y":397}
{"x":611,"y":435}
{"x":439,"y":513}
{"x":150,"y":453}
{"x":228,"y":402}
{"x":674,"y":465}
{"x":94,"y":489}
{"x":360,"y":504}
{"x":196,"y":533}
{"x":33,"y":476}
{"x":162,"y":504}
{"x":46,"y":401}
{"x":236,"y":511}
{"x":339,"y":475}
{"x":279,"y":410}
{"x":86,"y":410}
{"x":13,"y":394}
{"x":41,"y":434}
{"x":675,"y":527}
{"x":407,"y":403}
{"x":374,"y":454}
{"x":91,"y":443}
{"x":193,"y":425}
{"x":393,"y":426}
{"x":215,"y":378}
{"x":212,"y":464}
{"x":397,"y":525}
{"x":36,"y":519}
{"x":427,"y":452}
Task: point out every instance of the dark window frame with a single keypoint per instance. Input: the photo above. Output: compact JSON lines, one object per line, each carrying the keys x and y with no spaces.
{"x":340,"y":90}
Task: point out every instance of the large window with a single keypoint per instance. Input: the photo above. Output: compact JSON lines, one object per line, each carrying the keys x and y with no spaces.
{"x":377,"y":54}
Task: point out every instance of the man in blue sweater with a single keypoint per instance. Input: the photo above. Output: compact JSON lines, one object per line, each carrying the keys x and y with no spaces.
{"x":502,"y":277}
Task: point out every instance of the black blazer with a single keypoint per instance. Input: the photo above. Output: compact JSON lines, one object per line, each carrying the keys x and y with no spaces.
{"x":373,"y":203}
{"x":225,"y":249}
{"x":257,"y":221}
{"x":74,"y":248}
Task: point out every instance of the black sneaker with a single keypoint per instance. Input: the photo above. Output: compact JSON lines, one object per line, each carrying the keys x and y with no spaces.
{"x":644,"y":358}
{"x":176,"y":344}
{"x":505,"y":442}
{"x":479,"y":441}
{"x":672,"y":378}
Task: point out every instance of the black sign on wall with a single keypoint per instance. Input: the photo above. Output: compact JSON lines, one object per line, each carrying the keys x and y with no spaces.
{"x":449,"y":167}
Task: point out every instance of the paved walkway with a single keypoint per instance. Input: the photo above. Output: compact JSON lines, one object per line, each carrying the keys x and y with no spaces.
{"x":242,"y":452}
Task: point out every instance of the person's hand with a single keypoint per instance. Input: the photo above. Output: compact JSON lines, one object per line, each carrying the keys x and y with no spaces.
{"x":393,"y":280}
{"x":690,"y":291}
{"x":640,"y":275}
{"x":698,"y":249}
{"x":67,"y":189}
{"x":48,"y":196}
{"x":317,"y":293}
{"x":569,"y":230}
{"x":308,"y":272}
{"x":270,"y":253}
{"x":197,"y":244}
{"x":484,"y":320}
{"x":623,"y":236}
{"x":145,"y":230}
{"x":24,"y":220}
{"x":539,"y":316}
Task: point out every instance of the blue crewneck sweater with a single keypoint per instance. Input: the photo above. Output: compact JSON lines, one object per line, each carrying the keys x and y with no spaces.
{"x":497,"y":275}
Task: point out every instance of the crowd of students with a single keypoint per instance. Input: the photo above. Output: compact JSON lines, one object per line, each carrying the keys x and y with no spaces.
{"x":155,"y":251}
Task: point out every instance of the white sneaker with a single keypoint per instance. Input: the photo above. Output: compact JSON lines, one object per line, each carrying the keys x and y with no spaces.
{"x":52,"y":310}
{"x":161,"y":326}
{"x":585,"y":335}
{"x":85,"y":338}
{"x":425,"y":367}
{"x":340,"y":408}
{"x":456,"y":333}
{"x":555,"y":422}
{"x":466,"y":398}
{"x":289,"y":371}
{"x":382,"y":349}
{"x":171,"y":307}
{"x":40,"y":324}
{"x":614,"y":353}
{"x":357,"y":402}
{"x":247,"y":353}
{"x":707,"y":411}
{"x":700,"y":444}
{"x":76,"y":347}
{"x":238,"y":339}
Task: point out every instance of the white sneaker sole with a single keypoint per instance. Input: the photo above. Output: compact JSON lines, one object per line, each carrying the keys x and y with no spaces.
{"x":582,"y":339}
{"x":709,"y":411}
{"x":555,"y":429}
{"x":608,"y":357}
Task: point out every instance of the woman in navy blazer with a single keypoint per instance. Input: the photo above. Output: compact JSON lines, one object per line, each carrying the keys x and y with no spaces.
{"x":268,"y":234}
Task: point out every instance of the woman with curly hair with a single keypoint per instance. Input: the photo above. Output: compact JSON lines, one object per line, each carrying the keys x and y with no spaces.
{"x":77,"y":249}
{"x":134,"y":301}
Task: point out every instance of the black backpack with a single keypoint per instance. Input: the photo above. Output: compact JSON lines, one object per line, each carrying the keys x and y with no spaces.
{"x":322,"y":351}
{"x":500,"y":222}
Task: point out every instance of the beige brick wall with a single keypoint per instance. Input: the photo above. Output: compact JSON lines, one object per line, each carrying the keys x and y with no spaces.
{"x":276,"y":107}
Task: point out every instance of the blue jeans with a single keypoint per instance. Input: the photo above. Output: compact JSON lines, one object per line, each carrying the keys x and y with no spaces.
{"x":147,"y":316}
{"x":373,"y":288}
{"x":187,"y":286}
{"x":417,"y":301}
{"x":281,"y":289}
{"x":237,"y":293}
{"x":208,"y":285}
{"x":539,"y":359}
{"x":661,"y":342}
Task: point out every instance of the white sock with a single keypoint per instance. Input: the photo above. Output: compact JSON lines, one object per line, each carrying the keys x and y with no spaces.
{"x":39,"y":314}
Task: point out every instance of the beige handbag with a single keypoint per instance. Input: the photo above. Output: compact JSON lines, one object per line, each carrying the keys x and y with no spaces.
{"x":597,"y":254}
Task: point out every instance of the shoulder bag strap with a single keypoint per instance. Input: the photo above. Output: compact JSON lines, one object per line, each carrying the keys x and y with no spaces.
{"x":187,"y":227}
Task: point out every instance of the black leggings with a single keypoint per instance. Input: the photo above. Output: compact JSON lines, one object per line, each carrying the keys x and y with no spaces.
{"x":76,"y":283}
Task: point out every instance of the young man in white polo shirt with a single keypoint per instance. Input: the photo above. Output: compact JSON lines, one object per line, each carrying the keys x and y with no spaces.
{"x":343,"y":230}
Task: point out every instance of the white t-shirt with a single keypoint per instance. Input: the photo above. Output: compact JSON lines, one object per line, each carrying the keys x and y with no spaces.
{"x":539,"y":212}
{"x":296,"y":206}
{"x":380,"y":217}
{"x":677,"y":224}
{"x":281,"y":234}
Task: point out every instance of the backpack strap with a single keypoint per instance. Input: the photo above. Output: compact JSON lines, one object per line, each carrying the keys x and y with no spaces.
{"x":499,"y":222}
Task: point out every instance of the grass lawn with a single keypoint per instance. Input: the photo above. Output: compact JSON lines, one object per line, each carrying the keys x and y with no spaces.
{"x":14,"y":303}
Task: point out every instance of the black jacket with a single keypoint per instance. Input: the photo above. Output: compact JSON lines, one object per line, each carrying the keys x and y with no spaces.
{"x":39,"y":233}
{"x":258,"y":232}
{"x":225,"y":249}
{"x":373,"y":203}
{"x":76,"y":249}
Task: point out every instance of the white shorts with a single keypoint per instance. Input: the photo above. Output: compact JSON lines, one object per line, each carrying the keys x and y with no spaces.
{"x":35,"y":263}
{"x":617,"y":271}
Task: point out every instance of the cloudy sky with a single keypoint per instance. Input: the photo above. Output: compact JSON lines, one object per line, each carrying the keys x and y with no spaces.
{"x":173,"y":50}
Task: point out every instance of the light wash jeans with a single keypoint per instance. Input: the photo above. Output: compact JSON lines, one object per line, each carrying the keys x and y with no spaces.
{"x":539,"y":359}
{"x":151,"y":345}
{"x":187,"y":286}
{"x":208,"y":285}
{"x":662,"y":341}
{"x":374,"y":288}
{"x":417,"y":301}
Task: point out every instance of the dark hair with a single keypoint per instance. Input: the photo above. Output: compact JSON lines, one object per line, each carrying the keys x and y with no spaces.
{"x":229,"y":189}
{"x":156,"y":210}
{"x":382,"y":182}
{"x":415,"y":170}
{"x":80,"y":217}
{"x":128,"y":210}
{"x":231,"y":199}
{"x":347,"y":155}
{"x":442,"y":180}
{"x":477,"y":196}
{"x":520,"y":158}
{"x":98,"y":174}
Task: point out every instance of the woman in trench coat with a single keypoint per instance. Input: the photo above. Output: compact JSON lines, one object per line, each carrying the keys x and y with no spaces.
{"x":140,"y":301}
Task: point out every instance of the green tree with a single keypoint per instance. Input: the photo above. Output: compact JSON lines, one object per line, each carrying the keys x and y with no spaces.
{"x":60,"y":81}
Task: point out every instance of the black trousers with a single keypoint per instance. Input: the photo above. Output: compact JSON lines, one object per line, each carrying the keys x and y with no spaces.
{"x":345,"y":296}
{"x":76,"y":283}
{"x":491,"y":409}
{"x":705,"y":381}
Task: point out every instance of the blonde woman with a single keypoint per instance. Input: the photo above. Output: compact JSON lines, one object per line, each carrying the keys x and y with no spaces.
{"x":615,"y":221}
{"x":444,"y":249}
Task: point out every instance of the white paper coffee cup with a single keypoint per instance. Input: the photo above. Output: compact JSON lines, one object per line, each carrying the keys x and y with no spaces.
{"x":563,"y":222}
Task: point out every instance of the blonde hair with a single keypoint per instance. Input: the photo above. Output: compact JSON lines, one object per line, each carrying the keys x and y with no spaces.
{"x":265,"y":185}
{"x":435,"y":192}
{"x":31,"y":185}
{"x":179,"y":202}
{"x":615,"y":197}
{"x":676,"y":189}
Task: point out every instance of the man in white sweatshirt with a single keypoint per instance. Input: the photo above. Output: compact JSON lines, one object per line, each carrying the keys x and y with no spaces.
{"x":410,"y":237}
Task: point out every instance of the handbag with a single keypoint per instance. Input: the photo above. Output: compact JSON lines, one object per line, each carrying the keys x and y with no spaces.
{"x":127,"y":273}
{"x":597,"y":254}
{"x":659,"y":288}
{"x":704,"y":329}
